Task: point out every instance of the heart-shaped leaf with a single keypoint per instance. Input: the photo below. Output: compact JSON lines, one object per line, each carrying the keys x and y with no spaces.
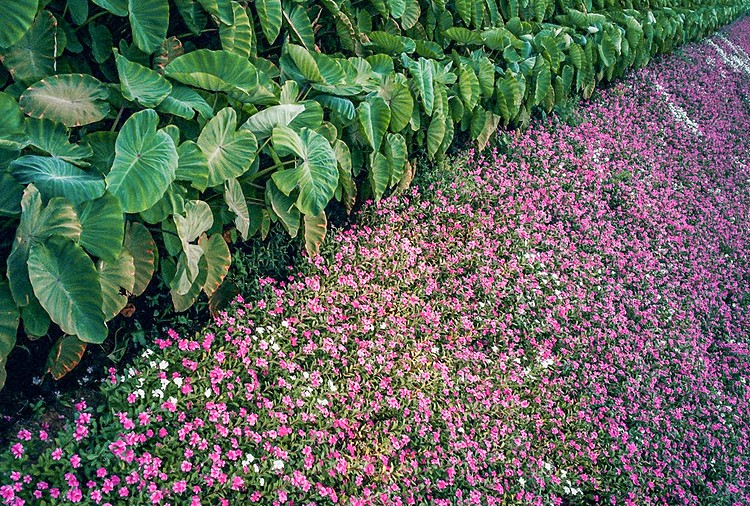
{"x":52,"y":138}
{"x":235,"y":199}
{"x":379,"y":175}
{"x":185,"y":102}
{"x":64,"y":356}
{"x":141,"y":245}
{"x":102,"y":226}
{"x":32,"y":57}
{"x":55,"y":177}
{"x":149,"y":20}
{"x":315,"y":233}
{"x":300,"y":26}
{"x":400,"y":102}
{"x":10,"y":194}
{"x":17,"y":16}
{"x":116,"y":276}
{"x":396,"y":152}
{"x":67,"y":285}
{"x":116,"y":7}
{"x":215,"y":71}
{"x":71,"y":99}
{"x":141,"y":84}
{"x":315,"y":175}
{"x":145,"y":163}
{"x":283,"y":207}
{"x":192,"y":165}
{"x":238,"y":37}
{"x":222,"y":9}
{"x":374,"y":117}
{"x":262,"y":123}
{"x":269,"y":15}
{"x":229,"y":152}
{"x":423,"y":78}
{"x":435,"y":134}
{"x":9,"y":318}
{"x":218,"y":259}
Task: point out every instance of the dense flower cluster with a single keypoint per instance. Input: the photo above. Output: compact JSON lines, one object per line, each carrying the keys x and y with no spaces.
{"x":564,"y":323}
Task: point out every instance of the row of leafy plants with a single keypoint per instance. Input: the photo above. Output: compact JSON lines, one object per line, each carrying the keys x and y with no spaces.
{"x":139,"y":137}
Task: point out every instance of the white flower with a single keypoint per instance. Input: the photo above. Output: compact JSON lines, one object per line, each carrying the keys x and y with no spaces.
{"x":322,"y":402}
{"x":306,"y":375}
{"x":147,"y":353}
{"x":260,"y":330}
{"x":164,"y":383}
{"x":158,"y":393}
{"x":163,"y":365}
{"x":172,"y":400}
{"x":208,"y":392}
{"x":331,"y":386}
{"x":285,"y":324}
{"x":262,"y":482}
{"x":178,"y":382}
{"x":278,"y":465}
{"x":140,"y":393}
{"x":275,"y":347}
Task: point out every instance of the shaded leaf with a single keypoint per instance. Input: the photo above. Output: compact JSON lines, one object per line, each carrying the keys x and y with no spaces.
{"x":71,"y":99}
{"x":315,"y":233}
{"x":117,"y":279}
{"x":149,"y":20}
{"x":141,"y":84}
{"x":102,"y":226}
{"x":218,"y":260}
{"x":17,"y":16}
{"x":32,"y":57}
{"x":55,"y":177}
{"x":235,"y":199}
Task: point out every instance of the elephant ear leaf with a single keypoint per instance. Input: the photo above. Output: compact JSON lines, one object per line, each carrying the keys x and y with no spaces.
{"x":17,"y":16}
{"x":141,"y":246}
{"x":64,"y":356}
{"x":67,"y":285}
{"x":235,"y":199}
{"x":229,"y":152}
{"x":53,"y":138}
{"x":374,"y":118}
{"x":149,"y":20}
{"x":141,"y":84}
{"x":315,"y":233}
{"x":102,"y":226}
{"x":238,"y":37}
{"x":9,"y":317}
{"x":145,"y":163}
{"x":269,"y":14}
{"x":114,"y":278}
{"x":316,"y":173}
{"x":55,"y":177}
{"x":218,"y":260}
{"x":71,"y":99}
{"x":222,"y":9}
{"x":33,"y":57}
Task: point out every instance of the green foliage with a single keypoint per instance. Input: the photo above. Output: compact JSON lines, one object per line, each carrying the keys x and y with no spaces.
{"x":131,"y":126}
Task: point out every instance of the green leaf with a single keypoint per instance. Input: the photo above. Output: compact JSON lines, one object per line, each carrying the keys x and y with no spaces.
{"x":67,"y":285}
{"x":230,"y":153}
{"x":185,"y":102}
{"x":315,"y":233}
{"x":315,"y":175}
{"x":139,"y":243}
{"x":116,"y":7}
{"x":12,"y":135}
{"x":57,"y":178}
{"x":300,"y":26}
{"x":145,"y":163}
{"x":384,"y":42}
{"x":36,"y":321}
{"x":269,"y":15}
{"x":182,"y":302}
{"x":79,"y":10}
{"x":32,"y":57}
{"x":464,"y":36}
{"x":374,"y":117}
{"x":9,"y":317}
{"x":10,"y":194}
{"x":305,"y":63}
{"x":17,"y":16}
{"x":238,"y":37}
{"x":397,"y":8}
{"x":64,"y":356}
{"x":435,"y":134}
{"x":215,"y":71}
{"x":262,"y":123}
{"x":102,"y":144}
{"x":411,"y":14}
{"x":192,"y":165}
{"x":71,"y":99}
{"x":380,"y":175}
{"x":218,"y":259}
{"x":468,"y":84}
{"x":542,"y":83}
{"x":400,"y":102}
{"x":52,"y":138}
{"x":197,"y":220}
{"x":463,"y":8}
{"x":283,"y":207}
{"x":222,"y":9}
{"x":346,"y":181}
{"x":115,"y":277}
{"x":102,"y":226}
{"x":422,"y":75}
{"x":149,"y":20}
{"x":235,"y":199}
{"x":395,"y":153}
{"x":490,"y":127}
{"x":141,"y":84}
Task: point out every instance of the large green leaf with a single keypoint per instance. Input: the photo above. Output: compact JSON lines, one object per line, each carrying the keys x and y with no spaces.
{"x":400,"y":102}
{"x":374,"y":117}
{"x":192,"y":165}
{"x":149,"y":20}
{"x":423,"y":77}
{"x":141,"y":245}
{"x":10,"y":194}
{"x":229,"y":152}
{"x":64,"y":356}
{"x":145,"y":163}
{"x":235,"y":199}
{"x":379,"y":175}
{"x":283,"y":207}
{"x":185,"y":102}
{"x":435,"y":134}
{"x":197,"y":220}
{"x":218,"y":259}
{"x":238,"y":37}
{"x":182,"y":302}
{"x":102,"y":144}
{"x":315,"y":175}
{"x":52,"y":138}
{"x":141,"y":84}
{"x":33,"y":56}
{"x":262,"y":123}
{"x":300,"y":26}
{"x":320,"y":69}
{"x":67,"y":285}
{"x":222,"y":9}
{"x":116,"y":276}
{"x":315,"y":233}
{"x":9,"y":317}
{"x":116,"y":7}
{"x":17,"y":16}
{"x":55,"y":177}
{"x":37,"y":223}
{"x":463,"y":7}
{"x":269,"y":15}
{"x":71,"y":99}
{"x":12,"y":135}
{"x":102,"y":226}
{"x":395,"y":153}
{"x":215,"y":71}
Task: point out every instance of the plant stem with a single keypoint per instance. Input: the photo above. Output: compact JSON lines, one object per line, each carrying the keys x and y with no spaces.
{"x":117,"y":118}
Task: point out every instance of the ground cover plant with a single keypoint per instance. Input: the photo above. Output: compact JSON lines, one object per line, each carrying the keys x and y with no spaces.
{"x":563,"y":322}
{"x":139,"y":136}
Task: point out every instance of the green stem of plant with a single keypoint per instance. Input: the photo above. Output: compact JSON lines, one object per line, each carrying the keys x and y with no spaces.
{"x":117,"y":119}
{"x":92,"y":18}
{"x":272,"y":168}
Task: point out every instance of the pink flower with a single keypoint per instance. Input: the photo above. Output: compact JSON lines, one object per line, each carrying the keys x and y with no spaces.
{"x":75,"y":461}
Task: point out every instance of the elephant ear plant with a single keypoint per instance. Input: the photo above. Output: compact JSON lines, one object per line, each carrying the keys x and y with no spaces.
{"x":139,"y":137}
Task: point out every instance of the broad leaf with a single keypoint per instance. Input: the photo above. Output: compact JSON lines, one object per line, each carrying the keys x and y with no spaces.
{"x":185,"y":102}
{"x":222,"y":9}
{"x":400,"y":102}
{"x":374,"y":117}
{"x":235,"y":199}
{"x":396,"y":152}
{"x":102,"y":226}
{"x":315,"y":233}
{"x":71,"y":99}
{"x":238,"y":37}
{"x":10,"y":194}
{"x":17,"y":16}
{"x":116,"y":7}
{"x":300,"y":26}
{"x":139,"y":243}
{"x":435,"y":134}
{"x":115,"y":277}
{"x":141,"y":84}
{"x":64,"y":356}
{"x":283,"y":207}
{"x":55,"y":177}
{"x":315,"y":175}
{"x":197,"y":220}
{"x":35,"y":319}
{"x":9,"y":317}
{"x":269,"y":15}
{"x":145,"y":163}
{"x":67,"y":285}
{"x":149,"y":20}
{"x":379,"y":175}
{"x":229,"y":152}
{"x":192,"y":165}
{"x":422,"y":75}
{"x":218,"y":259}
{"x":33,"y":56}
{"x":262,"y":123}
{"x":52,"y":138}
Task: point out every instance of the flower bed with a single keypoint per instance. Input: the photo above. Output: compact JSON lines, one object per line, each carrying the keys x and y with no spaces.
{"x":564,"y":323}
